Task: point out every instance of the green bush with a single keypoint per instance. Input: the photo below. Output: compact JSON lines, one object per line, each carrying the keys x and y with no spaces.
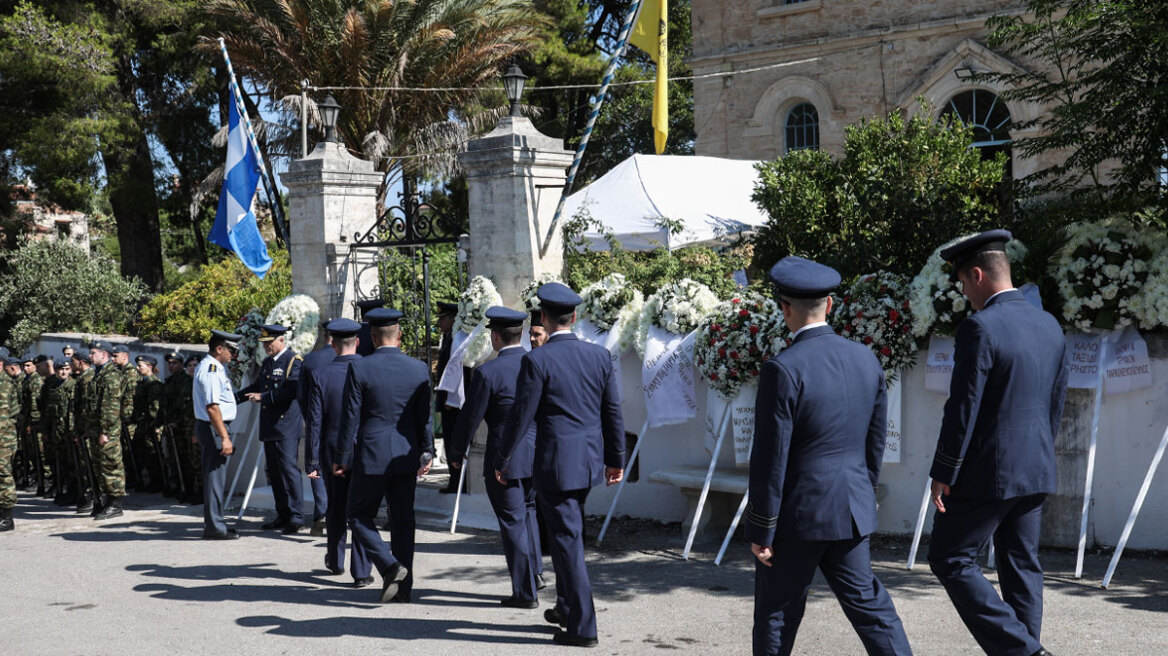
{"x":900,"y":190}
{"x":648,"y":270}
{"x":56,"y":287}
{"x":222,"y":293}
{"x":400,"y":276}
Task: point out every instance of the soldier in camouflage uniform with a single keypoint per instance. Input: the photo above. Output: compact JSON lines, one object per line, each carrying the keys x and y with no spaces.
{"x":44,"y":372}
{"x":30,"y":391}
{"x":9,"y":407}
{"x":83,"y":400}
{"x":144,"y":421}
{"x":130,"y":453}
{"x":105,"y":430}
{"x":178,"y":418}
{"x":57,"y":426}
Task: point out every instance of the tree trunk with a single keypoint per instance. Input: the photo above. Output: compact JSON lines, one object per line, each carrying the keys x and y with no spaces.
{"x":130,"y":175}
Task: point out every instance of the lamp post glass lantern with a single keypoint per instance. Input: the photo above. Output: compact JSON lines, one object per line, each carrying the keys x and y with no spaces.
{"x":513,"y":81}
{"x":329,"y":110}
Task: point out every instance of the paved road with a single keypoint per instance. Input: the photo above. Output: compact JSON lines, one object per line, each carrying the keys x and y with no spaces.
{"x":148,"y":585}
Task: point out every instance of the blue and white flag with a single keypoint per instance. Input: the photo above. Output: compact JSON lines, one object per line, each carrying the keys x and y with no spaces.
{"x":235,"y":223}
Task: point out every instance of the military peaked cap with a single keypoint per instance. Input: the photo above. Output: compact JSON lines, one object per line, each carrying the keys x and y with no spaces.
{"x":383,"y":316}
{"x":504,"y":317}
{"x":797,"y":277}
{"x":961,"y":252}
{"x":343,"y":327}
{"x":556,"y":296}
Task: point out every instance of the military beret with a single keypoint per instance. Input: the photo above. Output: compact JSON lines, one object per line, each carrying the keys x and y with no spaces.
{"x":27,"y":357}
{"x":796,"y":277}
{"x":536,"y":317}
{"x":383,"y":316}
{"x":960,"y":253}
{"x":558,"y":296}
{"x":67,"y":347}
{"x":147,"y":358}
{"x":446,"y":307}
{"x":192,"y":358}
{"x":82,"y":355}
{"x":173,"y":355}
{"x":367,"y":304}
{"x":11,"y":360}
{"x":102,"y":345}
{"x":231,"y":339}
{"x":61,"y":363}
{"x":4,"y":352}
{"x":41,"y":358}
{"x":121,"y":348}
{"x":271,"y":331}
{"x":343,"y":327}
{"x":503,"y":317}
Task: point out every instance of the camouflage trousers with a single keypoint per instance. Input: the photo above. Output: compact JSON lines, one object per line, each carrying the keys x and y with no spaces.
{"x":61,"y":454}
{"x":107,"y":459}
{"x":191,"y":456}
{"x":146,"y":452}
{"x":36,"y":439}
{"x":7,"y":482}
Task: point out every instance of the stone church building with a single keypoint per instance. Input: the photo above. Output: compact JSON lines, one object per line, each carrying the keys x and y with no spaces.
{"x":849,"y":59}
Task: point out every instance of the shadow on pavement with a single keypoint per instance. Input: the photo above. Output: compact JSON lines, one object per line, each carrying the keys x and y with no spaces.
{"x":402,"y":629}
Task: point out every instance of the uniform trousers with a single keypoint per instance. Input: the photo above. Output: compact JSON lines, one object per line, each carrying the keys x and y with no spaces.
{"x":365,"y":494}
{"x":1009,"y":625}
{"x":564,"y":512}
{"x":214,"y":477}
{"x":780,"y":595}
{"x":320,"y":497}
{"x":337,"y":528}
{"x":284,"y":475}
{"x":514,"y":505}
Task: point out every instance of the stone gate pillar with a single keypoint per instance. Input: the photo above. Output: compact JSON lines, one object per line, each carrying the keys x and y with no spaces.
{"x":332,"y":196}
{"x":515,"y":176}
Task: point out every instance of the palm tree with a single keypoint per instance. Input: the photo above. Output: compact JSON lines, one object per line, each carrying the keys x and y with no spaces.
{"x":458,"y":46}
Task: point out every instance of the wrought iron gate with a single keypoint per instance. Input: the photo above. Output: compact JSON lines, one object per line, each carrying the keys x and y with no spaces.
{"x":404,"y":239}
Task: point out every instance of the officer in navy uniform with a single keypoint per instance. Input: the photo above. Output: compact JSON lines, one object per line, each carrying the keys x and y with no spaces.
{"x":215,"y":409}
{"x":323,"y":426}
{"x":308,"y":368}
{"x":568,"y":388}
{"x":385,"y":444}
{"x":447,"y":312}
{"x":994,"y":463}
{"x":280,"y":425}
{"x":364,"y":341}
{"x":491,"y":395}
{"x":820,"y":426}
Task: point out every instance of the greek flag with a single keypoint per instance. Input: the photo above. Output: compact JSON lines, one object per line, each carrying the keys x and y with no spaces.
{"x":235,"y":223}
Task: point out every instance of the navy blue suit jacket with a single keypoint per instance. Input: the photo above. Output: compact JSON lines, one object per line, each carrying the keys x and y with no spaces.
{"x":277,"y":384}
{"x":491,"y":396}
{"x":1005,"y":402}
{"x":325,"y":405}
{"x":568,"y":388}
{"x":386,"y":423}
{"x":820,"y":425}
{"x":308,"y":368}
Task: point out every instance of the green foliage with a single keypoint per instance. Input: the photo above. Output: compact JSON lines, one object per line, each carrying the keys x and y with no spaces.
{"x":1101,"y":69}
{"x":402,"y":288}
{"x":901,"y":188}
{"x":647,"y":270}
{"x":222,"y":293}
{"x":54,"y":287}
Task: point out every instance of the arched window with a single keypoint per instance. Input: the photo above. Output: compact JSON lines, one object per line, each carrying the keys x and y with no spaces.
{"x":989,"y":118}
{"x":802,"y":127}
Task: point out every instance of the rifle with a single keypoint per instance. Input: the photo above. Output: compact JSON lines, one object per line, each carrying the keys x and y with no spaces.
{"x":167,"y":486}
{"x":83,"y":446}
{"x":38,"y":459}
{"x":128,"y":447}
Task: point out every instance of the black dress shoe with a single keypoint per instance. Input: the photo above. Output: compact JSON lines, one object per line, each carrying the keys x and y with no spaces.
{"x":292,"y":529}
{"x":391,"y":580}
{"x":402,"y":597}
{"x":516,"y":602}
{"x":336,"y":571}
{"x":553,"y":616}
{"x":317,"y":528}
{"x":363,"y":583}
{"x":1042,"y":652}
{"x":275,"y":524}
{"x":540,"y":584}
{"x":229,"y":534}
{"x":562,"y":638}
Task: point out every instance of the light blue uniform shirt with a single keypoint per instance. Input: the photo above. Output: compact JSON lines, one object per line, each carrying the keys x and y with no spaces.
{"x":212,"y":387}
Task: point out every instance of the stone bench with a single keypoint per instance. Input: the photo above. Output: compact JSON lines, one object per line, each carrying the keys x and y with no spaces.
{"x":726,"y":489}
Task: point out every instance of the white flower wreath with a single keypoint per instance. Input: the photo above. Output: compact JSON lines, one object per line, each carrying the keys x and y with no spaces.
{"x":528,"y":297}
{"x":1150,"y":306}
{"x":480,"y":295}
{"x":612,"y":302}
{"x":735,"y":340}
{"x":250,"y":353}
{"x":301,"y":315}
{"x":677,"y":307}
{"x":875,"y":311}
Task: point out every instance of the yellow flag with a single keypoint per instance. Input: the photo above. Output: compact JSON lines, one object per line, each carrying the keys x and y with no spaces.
{"x":651,"y":35}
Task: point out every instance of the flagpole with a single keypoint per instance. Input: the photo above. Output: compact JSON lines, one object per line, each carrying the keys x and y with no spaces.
{"x":268,"y":186}
{"x":623,"y":38}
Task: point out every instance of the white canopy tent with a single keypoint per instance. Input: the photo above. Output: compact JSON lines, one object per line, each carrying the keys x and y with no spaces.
{"x":708,"y":196}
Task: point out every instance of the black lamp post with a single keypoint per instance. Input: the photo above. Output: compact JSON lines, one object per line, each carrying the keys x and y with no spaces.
{"x":513,"y":81}
{"x":329,"y":110}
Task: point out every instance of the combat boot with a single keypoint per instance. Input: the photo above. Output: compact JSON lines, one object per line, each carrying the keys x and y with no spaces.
{"x":113,"y":508}
{"x":99,"y":505}
{"x":6,"y":523}
{"x":85,"y":503}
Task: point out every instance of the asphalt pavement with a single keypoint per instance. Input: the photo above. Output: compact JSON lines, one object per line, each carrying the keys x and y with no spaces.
{"x":147,"y":584}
